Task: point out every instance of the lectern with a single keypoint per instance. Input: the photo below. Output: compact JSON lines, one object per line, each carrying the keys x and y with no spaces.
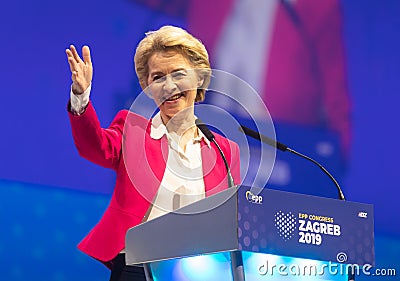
{"x":256,"y":234}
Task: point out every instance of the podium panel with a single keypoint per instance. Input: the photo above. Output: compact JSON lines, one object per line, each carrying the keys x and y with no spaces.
{"x":256,"y":223}
{"x":305,"y":226}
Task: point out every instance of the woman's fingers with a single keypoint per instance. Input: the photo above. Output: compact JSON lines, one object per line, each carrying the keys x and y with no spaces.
{"x":81,"y":70}
{"x":86,"y":55}
{"x":73,"y":65}
{"x":75,"y":53}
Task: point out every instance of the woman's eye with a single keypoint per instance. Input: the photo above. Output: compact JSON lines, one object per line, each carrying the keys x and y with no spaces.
{"x":158,"y":78}
{"x":178,"y":74}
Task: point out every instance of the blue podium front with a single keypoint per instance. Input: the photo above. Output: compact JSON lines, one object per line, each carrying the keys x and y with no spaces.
{"x":267,"y":233}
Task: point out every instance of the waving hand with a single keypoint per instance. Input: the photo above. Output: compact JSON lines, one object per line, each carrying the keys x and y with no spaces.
{"x":81,"y":70}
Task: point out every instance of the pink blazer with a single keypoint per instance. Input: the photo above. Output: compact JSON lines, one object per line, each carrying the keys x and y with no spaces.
{"x":146,"y":160}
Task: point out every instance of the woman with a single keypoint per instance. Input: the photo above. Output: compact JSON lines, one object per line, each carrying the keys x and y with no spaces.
{"x":154,"y":159}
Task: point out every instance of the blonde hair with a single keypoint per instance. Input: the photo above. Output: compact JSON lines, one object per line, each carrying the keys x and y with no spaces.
{"x":171,"y":38}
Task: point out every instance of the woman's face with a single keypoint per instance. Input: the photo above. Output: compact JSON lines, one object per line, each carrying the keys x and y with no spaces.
{"x":173,"y":84}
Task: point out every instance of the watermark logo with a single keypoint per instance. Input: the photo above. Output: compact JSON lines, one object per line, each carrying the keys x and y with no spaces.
{"x":341,"y":257}
{"x":286,"y":224}
{"x":314,"y":268}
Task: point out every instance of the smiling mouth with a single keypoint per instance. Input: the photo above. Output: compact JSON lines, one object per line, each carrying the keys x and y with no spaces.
{"x":173,"y":98}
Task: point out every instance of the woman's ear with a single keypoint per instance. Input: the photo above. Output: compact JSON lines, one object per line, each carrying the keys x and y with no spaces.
{"x":200,"y":81}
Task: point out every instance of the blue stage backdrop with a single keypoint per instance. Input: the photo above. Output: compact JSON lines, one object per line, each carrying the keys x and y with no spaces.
{"x":51,"y":197}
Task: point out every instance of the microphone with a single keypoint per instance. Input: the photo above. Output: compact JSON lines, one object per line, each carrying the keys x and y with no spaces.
{"x":256,"y":135}
{"x":210,"y":136}
{"x":264,"y":139}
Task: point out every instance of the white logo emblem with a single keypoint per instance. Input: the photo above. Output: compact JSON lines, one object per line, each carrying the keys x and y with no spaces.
{"x":286,"y":224}
{"x":257,"y":199}
{"x":362,"y":215}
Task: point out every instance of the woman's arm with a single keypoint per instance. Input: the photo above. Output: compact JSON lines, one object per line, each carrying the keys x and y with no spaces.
{"x":101,"y":146}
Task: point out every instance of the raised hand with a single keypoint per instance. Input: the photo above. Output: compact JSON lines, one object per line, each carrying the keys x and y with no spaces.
{"x":81,"y":70}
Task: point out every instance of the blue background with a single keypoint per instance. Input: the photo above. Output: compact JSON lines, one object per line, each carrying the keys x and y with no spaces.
{"x":50,"y":197}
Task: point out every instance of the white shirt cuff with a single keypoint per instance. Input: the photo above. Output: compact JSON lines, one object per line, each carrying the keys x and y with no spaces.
{"x":79,"y":102}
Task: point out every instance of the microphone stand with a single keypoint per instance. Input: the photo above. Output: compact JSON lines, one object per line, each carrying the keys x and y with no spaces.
{"x":251,"y":133}
{"x":210,"y":136}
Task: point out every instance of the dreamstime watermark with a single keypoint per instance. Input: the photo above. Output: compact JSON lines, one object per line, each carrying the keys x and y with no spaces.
{"x":329,"y":268}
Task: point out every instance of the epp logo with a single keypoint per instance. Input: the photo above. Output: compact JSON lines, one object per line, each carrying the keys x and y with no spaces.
{"x":257,"y":199}
{"x":362,"y":215}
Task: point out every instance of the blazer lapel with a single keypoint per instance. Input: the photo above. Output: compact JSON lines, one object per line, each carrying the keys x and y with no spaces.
{"x":215,"y":179}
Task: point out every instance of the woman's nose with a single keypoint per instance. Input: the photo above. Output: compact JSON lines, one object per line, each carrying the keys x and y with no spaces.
{"x":169,"y":85}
